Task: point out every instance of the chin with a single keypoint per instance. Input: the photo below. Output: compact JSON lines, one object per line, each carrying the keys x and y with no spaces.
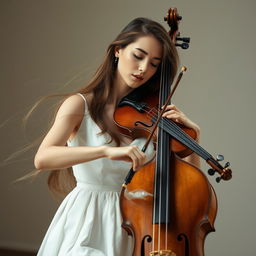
{"x":134,"y":86}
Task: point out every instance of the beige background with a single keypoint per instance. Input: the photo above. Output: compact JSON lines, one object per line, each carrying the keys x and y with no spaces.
{"x":54,"y":46}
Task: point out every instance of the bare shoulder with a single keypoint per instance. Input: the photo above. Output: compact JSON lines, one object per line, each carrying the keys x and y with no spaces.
{"x":70,"y":115}
{"x":73,"y":106}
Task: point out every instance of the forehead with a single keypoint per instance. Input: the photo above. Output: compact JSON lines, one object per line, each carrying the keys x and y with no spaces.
{"x":149,"y":44}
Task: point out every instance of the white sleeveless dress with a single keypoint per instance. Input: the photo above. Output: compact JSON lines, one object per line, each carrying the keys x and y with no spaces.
{"x":88,"y":221}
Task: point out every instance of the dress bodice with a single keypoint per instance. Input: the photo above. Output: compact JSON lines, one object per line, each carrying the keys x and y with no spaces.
{"x":102,"y":171}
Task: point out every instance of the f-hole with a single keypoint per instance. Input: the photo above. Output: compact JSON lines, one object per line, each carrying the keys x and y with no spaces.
{"x":184,"y":237}
{"x":146,"y":239}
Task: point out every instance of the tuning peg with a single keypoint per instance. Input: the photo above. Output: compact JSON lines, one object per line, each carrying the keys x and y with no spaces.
{"x":183,"y":45}
{"x":218,"y":179}
{"x":227,"y":164}
{"x":220,"y":158}
{"x":183,"y":39}
{"x":211,"y":172}
{"x":179,"y":17}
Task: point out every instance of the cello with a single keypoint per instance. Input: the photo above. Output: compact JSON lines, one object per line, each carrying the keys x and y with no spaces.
{"x":178,"y":205}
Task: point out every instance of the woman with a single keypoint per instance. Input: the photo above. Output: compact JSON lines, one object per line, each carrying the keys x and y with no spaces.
{"x":88,"y":222}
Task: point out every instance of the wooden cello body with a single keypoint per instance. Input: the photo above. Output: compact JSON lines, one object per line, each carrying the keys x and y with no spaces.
{"x":189,"y":208}
{"x":177,"y":206}
{"x":192,"y":208}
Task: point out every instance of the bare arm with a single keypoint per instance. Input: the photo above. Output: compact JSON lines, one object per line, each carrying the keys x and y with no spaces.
{"x":54,"y":154}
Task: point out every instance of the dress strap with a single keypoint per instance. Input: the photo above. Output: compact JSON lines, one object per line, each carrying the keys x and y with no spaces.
{"x":85,"y":103}
{"x":82,"y":97}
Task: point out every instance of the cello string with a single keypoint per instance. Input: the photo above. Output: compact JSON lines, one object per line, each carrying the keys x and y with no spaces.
{"x":156,"y":177}
{"x":183,"y":136}
{"x":167,"y":158}
{"x":160,"y":192}
{"x":164,"y":160}
{"x":168,"y":173}
{"x":154,"y":225}
{"x":163,"y":157}
{"x":159,"y":167}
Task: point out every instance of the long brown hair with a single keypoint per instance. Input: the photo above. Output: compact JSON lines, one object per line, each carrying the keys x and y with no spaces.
{"x":101,"y":85}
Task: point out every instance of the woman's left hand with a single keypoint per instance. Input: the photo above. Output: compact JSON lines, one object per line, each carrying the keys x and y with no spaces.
{"x":172,"y":112}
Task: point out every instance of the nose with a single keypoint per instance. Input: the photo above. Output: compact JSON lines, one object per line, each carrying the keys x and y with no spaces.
{"x":143,"y":67}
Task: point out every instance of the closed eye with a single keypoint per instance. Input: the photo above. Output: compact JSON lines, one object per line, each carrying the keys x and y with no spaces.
{"x":140,"y":58}
{"x":154,"y":65}
{"x":137,"y":57}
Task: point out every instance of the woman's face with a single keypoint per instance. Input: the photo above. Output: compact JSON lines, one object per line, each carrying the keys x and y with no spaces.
{"x":138,"y":61}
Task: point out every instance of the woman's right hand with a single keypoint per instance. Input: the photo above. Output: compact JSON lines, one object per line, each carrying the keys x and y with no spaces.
{"x":129,"y":154}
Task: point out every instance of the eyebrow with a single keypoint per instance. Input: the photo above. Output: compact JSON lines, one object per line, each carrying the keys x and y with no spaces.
{"x":147,"y":53}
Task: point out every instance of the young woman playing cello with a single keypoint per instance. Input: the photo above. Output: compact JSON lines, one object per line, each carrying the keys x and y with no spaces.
{"x":84,"y":136}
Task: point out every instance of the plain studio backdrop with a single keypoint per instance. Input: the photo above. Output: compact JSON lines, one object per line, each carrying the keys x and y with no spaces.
{"x":55,"y":46}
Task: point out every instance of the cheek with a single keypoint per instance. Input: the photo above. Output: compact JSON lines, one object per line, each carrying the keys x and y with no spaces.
{"x":126,"y":64}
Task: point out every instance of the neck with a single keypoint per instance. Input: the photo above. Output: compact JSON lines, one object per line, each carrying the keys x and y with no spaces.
{"x":120,"y":87}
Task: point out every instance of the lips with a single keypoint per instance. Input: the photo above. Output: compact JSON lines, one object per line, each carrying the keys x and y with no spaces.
{"x":138,"y":77}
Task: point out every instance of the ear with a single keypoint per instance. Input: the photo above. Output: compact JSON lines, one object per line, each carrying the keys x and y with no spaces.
{"x":117,"y":48}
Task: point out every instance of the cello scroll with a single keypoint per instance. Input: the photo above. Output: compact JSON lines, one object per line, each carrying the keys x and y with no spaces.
{"x":173,"y":18}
